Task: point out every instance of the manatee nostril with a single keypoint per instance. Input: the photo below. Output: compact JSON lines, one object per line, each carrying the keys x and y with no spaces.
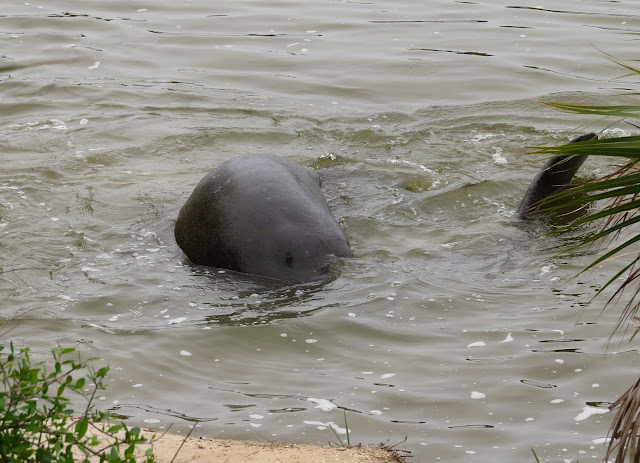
{"x":289,"y":259}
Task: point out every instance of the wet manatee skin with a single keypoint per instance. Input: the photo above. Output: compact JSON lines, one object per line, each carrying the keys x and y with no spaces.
{"x":261,"y":215}
{"x":555,"y":175}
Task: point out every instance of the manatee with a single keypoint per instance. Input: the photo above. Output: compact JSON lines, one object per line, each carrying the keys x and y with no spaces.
{"x":262,"y":215}
{"x":555,"y":175}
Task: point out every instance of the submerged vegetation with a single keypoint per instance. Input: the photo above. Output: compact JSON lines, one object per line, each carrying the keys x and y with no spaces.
{"x":36,"y":423}
{"x":614,"y":201}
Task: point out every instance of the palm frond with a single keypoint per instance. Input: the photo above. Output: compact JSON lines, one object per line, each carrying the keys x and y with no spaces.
{"x":621,"y":192}
{"x":619,"y":111}
{"x":625,"y":147}
{"x":625,"y":430}
{"x":607,"y":184}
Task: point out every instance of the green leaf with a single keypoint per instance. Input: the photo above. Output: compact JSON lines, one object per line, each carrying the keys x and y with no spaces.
{"x":81,"y":427}
{"x":115,"y":428}
{"x":80,"y":383}
{"x":130,"y":451}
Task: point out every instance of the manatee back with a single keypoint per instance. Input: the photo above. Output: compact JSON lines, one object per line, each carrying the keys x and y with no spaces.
{"x":261,"y":215}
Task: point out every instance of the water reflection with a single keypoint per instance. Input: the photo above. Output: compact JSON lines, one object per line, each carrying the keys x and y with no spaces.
{"x":538,"y":384}
{"x":479,"y":426}
{"x":243,"y":300}
{"x":118,"y":411}
{"x":574,"y":12}
{"x":457,"y":52}
{"x":436,"y":21}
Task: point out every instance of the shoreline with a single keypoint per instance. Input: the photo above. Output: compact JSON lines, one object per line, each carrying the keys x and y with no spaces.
{"x":173,"y":448}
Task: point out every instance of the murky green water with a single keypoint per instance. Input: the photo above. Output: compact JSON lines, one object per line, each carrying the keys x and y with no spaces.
{"x":456,"y":326}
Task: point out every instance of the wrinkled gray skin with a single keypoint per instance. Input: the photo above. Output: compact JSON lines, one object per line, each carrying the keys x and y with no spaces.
{"x":261,"y":215}
{"x":555,"y":175}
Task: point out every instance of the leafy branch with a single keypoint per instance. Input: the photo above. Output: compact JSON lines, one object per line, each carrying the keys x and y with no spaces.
{"x":36,"y":423}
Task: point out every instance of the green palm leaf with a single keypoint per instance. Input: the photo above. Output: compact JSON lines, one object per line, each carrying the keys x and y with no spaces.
{"x":620,"y":192}
{"x":620,"y":111}
{"x":626,"y":147}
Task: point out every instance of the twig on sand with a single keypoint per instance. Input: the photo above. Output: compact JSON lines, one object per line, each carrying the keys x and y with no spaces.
{"x":182,"y":443}
{"x":398,"y":455}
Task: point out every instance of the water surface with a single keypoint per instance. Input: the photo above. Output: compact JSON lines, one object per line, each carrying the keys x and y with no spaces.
{"x":456,"y":326}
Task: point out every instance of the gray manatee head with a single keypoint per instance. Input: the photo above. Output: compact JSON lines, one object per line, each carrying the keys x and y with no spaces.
{"x":261,"y":215}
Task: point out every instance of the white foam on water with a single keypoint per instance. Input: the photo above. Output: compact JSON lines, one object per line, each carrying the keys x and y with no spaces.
{"x":498,"y":157}
{"x":477,"y":344}
{"x":588,"y":411}
{"x":509,"y":338}
{"x":546,"y":269}
{"x":323,"y":404}
{"x":331,"y":424}
{"x":601,"y":440}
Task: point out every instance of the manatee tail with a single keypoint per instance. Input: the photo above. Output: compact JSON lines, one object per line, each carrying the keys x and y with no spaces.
{"x":555,"y":174}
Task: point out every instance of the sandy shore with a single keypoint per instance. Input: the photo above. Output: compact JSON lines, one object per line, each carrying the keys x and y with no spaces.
{"x":229,"y":451}
{"x":165,"y":447}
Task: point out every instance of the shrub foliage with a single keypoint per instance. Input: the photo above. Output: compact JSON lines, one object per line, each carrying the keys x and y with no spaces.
{"x":36,"y":415}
